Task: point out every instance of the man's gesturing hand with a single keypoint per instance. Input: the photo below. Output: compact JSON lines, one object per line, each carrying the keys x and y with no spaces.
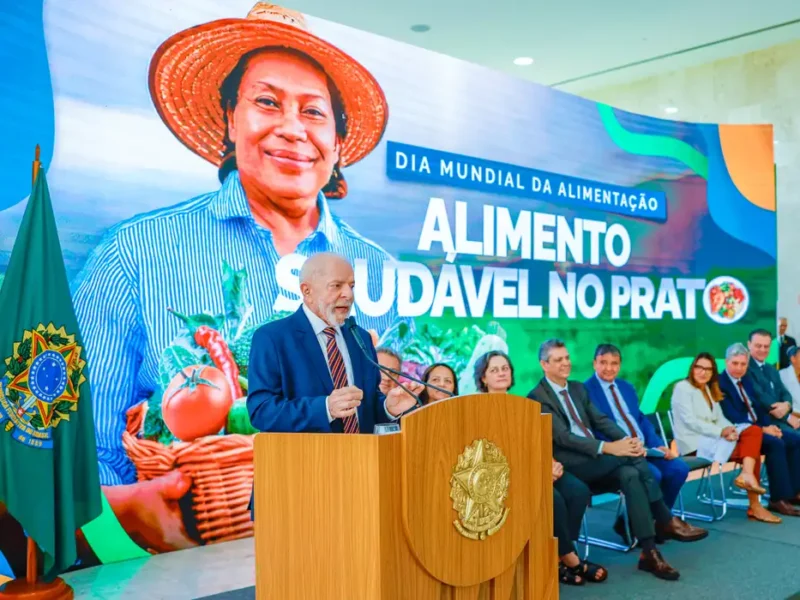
{"x":344,"y":401}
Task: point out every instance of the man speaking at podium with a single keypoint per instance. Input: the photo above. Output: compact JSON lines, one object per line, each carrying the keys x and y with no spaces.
{"x":308,"y":373}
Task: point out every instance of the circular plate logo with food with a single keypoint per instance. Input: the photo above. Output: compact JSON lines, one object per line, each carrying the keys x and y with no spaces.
{"x":726,"y":300}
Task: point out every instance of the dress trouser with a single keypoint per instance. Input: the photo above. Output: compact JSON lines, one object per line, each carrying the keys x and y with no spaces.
{"x":670,"y":476}
{"x":632,"y":476}
{"x":570,"y":498}
{"x":749,"y":446}
{"x":783,"y":465}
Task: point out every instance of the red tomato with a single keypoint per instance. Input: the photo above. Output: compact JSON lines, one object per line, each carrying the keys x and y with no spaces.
{"x":197,"y":402}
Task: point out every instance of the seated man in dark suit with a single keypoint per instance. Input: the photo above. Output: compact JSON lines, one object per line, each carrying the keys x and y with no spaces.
{"x":767,"y":384}
{"x":618,"y":400}
{"x":307,"y":373}
{"x":782,"y":451}
{"x":620,"y":463}
{"x":786,"y":342}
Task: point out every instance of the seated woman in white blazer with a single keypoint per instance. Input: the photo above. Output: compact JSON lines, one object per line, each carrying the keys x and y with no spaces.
{"x":702,"y":429}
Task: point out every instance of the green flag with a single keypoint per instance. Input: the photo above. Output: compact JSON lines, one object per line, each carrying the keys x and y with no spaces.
{"x":48,"y":456}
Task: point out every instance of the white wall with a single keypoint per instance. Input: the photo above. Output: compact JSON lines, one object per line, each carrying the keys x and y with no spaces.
{"x":760,"y":87}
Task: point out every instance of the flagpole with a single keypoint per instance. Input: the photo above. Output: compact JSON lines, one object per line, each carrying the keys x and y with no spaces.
{"x":32,"y":588}
{"x":32,"y":571}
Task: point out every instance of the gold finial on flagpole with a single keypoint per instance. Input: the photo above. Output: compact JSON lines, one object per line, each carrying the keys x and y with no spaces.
{"x":36,"y":163}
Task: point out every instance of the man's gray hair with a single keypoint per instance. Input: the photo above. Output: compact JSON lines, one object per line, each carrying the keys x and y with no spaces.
{"x":736,"y":349}
{"x":389,"y":352}
{"x":317,"y":264}
{"x":548,"y":346}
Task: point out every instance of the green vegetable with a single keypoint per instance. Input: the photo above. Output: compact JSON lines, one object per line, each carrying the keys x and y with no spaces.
{"x":238,"y":309}
{"x":239,"y":419}
{"x":240,"y":347}
{"x":175,"y":359}
{"x":154,"y":427}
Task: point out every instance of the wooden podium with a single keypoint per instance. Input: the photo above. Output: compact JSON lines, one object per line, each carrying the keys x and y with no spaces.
{"x":401,"y":516}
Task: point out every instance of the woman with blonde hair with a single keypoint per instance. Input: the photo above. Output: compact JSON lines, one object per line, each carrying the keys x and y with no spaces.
{"x":702,"y":429}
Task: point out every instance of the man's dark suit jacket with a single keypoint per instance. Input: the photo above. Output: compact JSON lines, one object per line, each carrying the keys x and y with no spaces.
{"x":289,"y":379}
{"x":783,"y":360}
{"x":570,"y":449}
{"x":734,"y":408}
{"x":766,"y":382}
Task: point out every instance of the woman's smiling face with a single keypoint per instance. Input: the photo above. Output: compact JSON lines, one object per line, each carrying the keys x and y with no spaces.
{"x":283,"y":127}
{"x":441,"y":377}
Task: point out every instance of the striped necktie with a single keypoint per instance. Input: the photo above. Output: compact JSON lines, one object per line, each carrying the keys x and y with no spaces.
{"x":573,"y":413}
{"x":749,"y":406}
{"x":339,"y":375}
{"x":625,"y":418}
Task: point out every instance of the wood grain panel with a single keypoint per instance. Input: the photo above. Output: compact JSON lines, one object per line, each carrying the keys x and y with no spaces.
{"x":503,"y":585}
{"x":317,"y":516}
{"x":402,"y":577}
{"x":433,"y":439}
{"x":467,"y":593}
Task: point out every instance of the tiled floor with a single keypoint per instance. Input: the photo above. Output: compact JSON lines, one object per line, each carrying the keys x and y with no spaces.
{"x":181,"y":575}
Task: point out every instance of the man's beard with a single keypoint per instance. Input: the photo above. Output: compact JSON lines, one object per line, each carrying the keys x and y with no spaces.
{"x":328,"y":312}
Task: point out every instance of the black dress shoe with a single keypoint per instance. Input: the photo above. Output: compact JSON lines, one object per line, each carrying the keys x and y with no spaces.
{"x":652,"y":562}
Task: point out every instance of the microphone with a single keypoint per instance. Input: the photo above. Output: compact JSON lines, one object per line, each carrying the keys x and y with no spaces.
{"x":350,"y":323}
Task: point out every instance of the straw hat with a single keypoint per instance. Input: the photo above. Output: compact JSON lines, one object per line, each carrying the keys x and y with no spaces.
{"x":187,"y":70}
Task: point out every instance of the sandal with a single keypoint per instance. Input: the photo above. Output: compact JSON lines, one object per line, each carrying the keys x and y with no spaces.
{"x":594,"y":572}
{"x":571,"y":575}
{"x":742,"y":483}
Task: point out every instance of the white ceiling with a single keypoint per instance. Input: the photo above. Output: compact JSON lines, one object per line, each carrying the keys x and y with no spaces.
{"x":574,"y":41}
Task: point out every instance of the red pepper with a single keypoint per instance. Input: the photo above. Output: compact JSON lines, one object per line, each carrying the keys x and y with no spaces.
{"x":212,"y":341}
{"x":220,"y":354}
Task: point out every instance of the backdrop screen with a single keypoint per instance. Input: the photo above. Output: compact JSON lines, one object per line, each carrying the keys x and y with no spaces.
{"x":491,"y":213}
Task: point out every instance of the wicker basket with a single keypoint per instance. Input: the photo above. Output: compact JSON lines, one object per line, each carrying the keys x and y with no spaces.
{"x":221,"y":469}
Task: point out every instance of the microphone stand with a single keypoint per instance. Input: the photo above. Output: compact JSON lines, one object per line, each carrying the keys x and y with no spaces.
{"x":350,"y":322}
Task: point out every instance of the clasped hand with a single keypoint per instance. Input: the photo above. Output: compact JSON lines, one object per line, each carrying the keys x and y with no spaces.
{"x":558,"y":470}
{"x":627,"y":446}
{"x":780,"y":409}
{"x":730,"y":434}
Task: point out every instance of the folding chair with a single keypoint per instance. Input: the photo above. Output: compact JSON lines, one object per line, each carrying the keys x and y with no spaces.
{"x":622,"y":511}
{"x":705,"y":490}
